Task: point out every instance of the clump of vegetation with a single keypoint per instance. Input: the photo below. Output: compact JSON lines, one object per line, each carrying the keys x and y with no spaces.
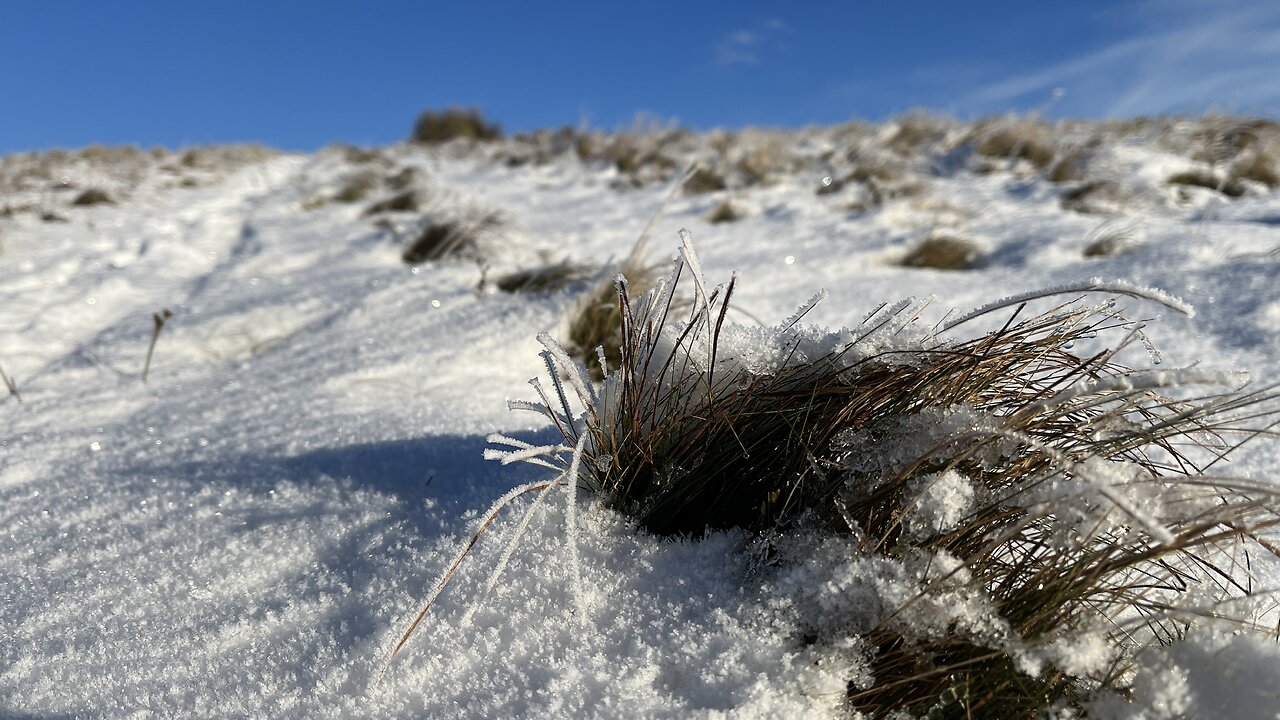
{"x":434,"y":127}
{"x":542,"y":146}
{"x":1098,"y":197}
{"x":403,"y":179}
{"x":407,"y":201}
{"x":943,"y":252}
{"x":1111,"y":239}
{"x":915,"y":131}
{"x":1258,"y":167}
{"x":458,"y":238}
{"x":642,"y":155}
{"x":1020,"y":498}
{"x":1210,"y":181}
{"x":225,"y":157}
{"x":1069,"y":166}
{"x":765,"y":156}
{"x":596,"y":321}
{"x":724,"y":212}
{"x":94,"y":196}
{"x":703,"y":180}
{"x":356,"y":188}
{"x":548,"y":278}
{"x":1015,"y":139}
{"x":356,"y":155}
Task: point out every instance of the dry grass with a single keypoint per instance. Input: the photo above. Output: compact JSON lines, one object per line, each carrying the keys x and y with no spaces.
{"x":1070,"y":166}
{"x":1257,"y":167}
{"x":404,"y":179}
{"x":724,"y":212}
{"x":596,"y":321}
{"x":458,"y":238}
{"x":357,"y":187}
{"x":409,"y":201}
{"x":703,"y":180}
{"x":1208,"y":180}
{"x":1110,"y":239}
{"x":542,"y":146}
{"x":1095,"y":510}
{"x":94,"y":196}
{"x":434,"y":127}
{"x":1016,"y":139}
{"x":943,"y":252}
{"x":765,"y":159}
{"x":544,"y":279}
{"x":225,"y":158}
{"x":10,"y":385}
{"x":642,"y":156}
{"x":1098,"y":197}
{"x":916,"y":131}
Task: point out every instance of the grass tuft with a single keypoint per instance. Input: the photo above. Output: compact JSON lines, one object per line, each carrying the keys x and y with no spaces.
{"x":1097,"y":197}
{"x":452,"y":239}
{"x":409,"y":201}
{"x":544,"y":279}
{"x":1016,"y":139}
{"x":93,"y":196}
{"x":943,"y":252}
{"x":1111,"y":238}
{"x":724,"y":212}
{"x":703,"y":180}
{"x":1210,"y":181}
{"x":1066,"y":495}
{"x":356,"y":188}
{"x":434,"y":127}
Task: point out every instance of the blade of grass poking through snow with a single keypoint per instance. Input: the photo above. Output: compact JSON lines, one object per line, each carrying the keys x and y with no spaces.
{"x":11,"y":385}
{"x":516,"y":534}
{"x":485,"y":522}
{"x":159,"y":320}
{"x":571,"y":531}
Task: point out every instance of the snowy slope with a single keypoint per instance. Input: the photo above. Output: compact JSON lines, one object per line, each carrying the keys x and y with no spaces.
{"x":247,"y":534}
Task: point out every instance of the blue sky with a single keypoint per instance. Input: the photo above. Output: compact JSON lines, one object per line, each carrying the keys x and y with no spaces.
{"x":297,"y":75}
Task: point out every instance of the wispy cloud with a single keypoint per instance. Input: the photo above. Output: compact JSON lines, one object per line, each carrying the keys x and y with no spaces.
{"x":748,"y":46}
{"x":1182,"y":56}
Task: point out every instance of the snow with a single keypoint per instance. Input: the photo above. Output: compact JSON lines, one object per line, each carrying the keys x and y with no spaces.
{"x":248,"y":533}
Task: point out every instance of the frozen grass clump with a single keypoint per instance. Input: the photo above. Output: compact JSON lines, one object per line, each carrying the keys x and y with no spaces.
{"x":1112,"y":238}
{"x":989,"y":524}
{"x":943,"y":252}
{"x":94,"y":196}
{"x":1016,"y":139}
{"x":434,"y":127}
{"x":407,"y":201}
{"x":461,"y":235}
{"x":1209,"y":181}
{"x":724,"y":212}
{"x":548,"y":278}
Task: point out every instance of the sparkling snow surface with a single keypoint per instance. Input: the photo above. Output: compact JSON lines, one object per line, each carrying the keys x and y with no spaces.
{"x":248,"y":534}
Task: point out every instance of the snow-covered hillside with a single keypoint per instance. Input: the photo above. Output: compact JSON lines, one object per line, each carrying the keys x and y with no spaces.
{"x":247,"y":533}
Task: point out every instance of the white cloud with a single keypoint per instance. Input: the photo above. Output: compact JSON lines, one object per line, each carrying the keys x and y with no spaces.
{"x":745,"y":46}
{"x":1183,"y":56}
